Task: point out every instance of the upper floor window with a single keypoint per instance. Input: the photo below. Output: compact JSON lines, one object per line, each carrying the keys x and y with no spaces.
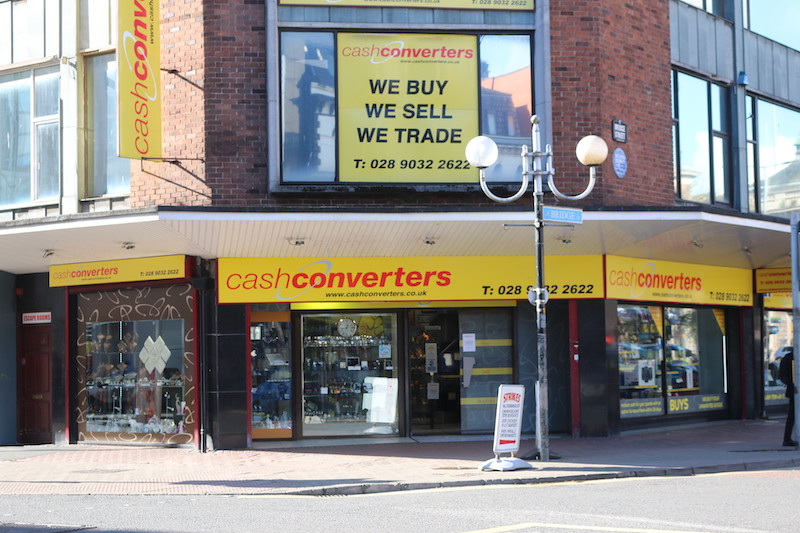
{"x":29,"y":29}
{"x":400,"y":108}
{"x":774,"y":19}
{"x":715,"y":7}
{"x":701,"y":134}
{"x":29,"y":136}
{"x":773,"y":135}
{"x":107,"y":173}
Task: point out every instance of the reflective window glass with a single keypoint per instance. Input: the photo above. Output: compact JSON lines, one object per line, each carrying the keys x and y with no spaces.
{"x":108,"y":174}
{"x":271,"y":369}
{"x":350,"y":374}
{"x":46,"y":92}
{"x":308,"y":113}
{"x":136,"y":377}
{"x":97,"y":19}
{"x":751,"y":178}
{"x":506,"y":100}
{"x":52,"y":32}
{"x":27,"y":30}
{"x":774,"y":19}
{"x":15,"y":138}
{"x":5,"y":33}
{"x":715,"y":7}
{"x":47,"y":156}
{"x":348,"y":114}
{"x":779,"y":340}
{"x":693,"y":136}
{"x":721,"y":167}
{"x":29,"y":131}
{"x":639,"y":341}
{"x":671,"y":360}
{"x":778,"y":158}
{"x":703,"y":142}
{"x":695,"y":359}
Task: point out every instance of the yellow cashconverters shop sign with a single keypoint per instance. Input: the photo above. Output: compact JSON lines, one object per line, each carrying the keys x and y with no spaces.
{"x":445,"y":4}
{"x":773,"y":280}
{"x":122,"y":271}
{"x":408,"y":105}
{"x":665,"y":281}
{"x":139,"y":79}
{"x":348,"y":279}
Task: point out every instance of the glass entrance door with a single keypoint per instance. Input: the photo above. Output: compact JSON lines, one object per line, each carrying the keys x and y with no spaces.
{"x":435,"y":371}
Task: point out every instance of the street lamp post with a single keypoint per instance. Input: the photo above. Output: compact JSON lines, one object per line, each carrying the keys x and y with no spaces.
{"x":591,"y":151}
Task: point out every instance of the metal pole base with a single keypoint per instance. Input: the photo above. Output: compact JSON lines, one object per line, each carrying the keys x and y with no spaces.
{"x":505,"y":463}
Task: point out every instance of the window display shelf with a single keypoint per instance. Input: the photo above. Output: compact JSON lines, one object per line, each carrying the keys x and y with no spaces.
{"x":349,"y":374}
{"x":140,"y":387}
{"x":338,"y":375}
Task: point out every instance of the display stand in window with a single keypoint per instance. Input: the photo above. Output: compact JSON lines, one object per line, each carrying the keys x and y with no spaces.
{"x":349,"y":375}
{"x":134,"y":377}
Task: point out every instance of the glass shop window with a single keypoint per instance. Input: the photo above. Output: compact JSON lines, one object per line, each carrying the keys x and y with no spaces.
{"x":778,"y":341}
{"x":672,"y":360}
{"x":135,"y":377}
{"x":350,"y":374}
{"x":271,"y":368}
{"x":640,"y":345}
{"x":134,"y":362}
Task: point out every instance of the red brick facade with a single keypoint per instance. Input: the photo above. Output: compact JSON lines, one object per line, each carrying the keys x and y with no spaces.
{"x":610,"y":60}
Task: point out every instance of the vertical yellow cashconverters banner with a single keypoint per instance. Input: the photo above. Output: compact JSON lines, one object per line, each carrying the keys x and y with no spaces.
{"x":408,"y":105}
{"x":139,"y":79}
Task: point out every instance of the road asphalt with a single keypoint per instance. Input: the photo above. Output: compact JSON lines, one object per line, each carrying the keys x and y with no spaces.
{"x":341,"y":467}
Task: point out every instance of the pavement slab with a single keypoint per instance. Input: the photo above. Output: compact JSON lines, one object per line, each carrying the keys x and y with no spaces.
{"x":328,"y":468}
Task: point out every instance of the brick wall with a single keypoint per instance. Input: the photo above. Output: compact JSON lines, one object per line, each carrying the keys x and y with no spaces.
{"x":611,"y":61}
{"x":183,"y":110}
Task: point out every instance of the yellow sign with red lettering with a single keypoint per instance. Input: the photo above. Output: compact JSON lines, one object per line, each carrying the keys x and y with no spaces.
{"x":139,"y":79}
{"x":408,"y":105}
{"x":347,"y":279}
{"x":121,"y":271}
{"x":773,"y":280}
{"x":665,"y":281}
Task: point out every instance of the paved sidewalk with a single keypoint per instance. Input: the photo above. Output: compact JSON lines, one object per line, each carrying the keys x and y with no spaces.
{"x":315,"y":468}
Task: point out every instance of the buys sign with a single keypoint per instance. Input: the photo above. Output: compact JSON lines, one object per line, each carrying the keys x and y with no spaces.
{"x":665,"y":281}
{"x":139,"y":79}
{"x":408,"y":104}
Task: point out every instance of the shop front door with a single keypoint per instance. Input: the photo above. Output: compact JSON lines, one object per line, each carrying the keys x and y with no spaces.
{"x":34,"y":378}
{"x":457,"y":360}
{"x":435,"y":372}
